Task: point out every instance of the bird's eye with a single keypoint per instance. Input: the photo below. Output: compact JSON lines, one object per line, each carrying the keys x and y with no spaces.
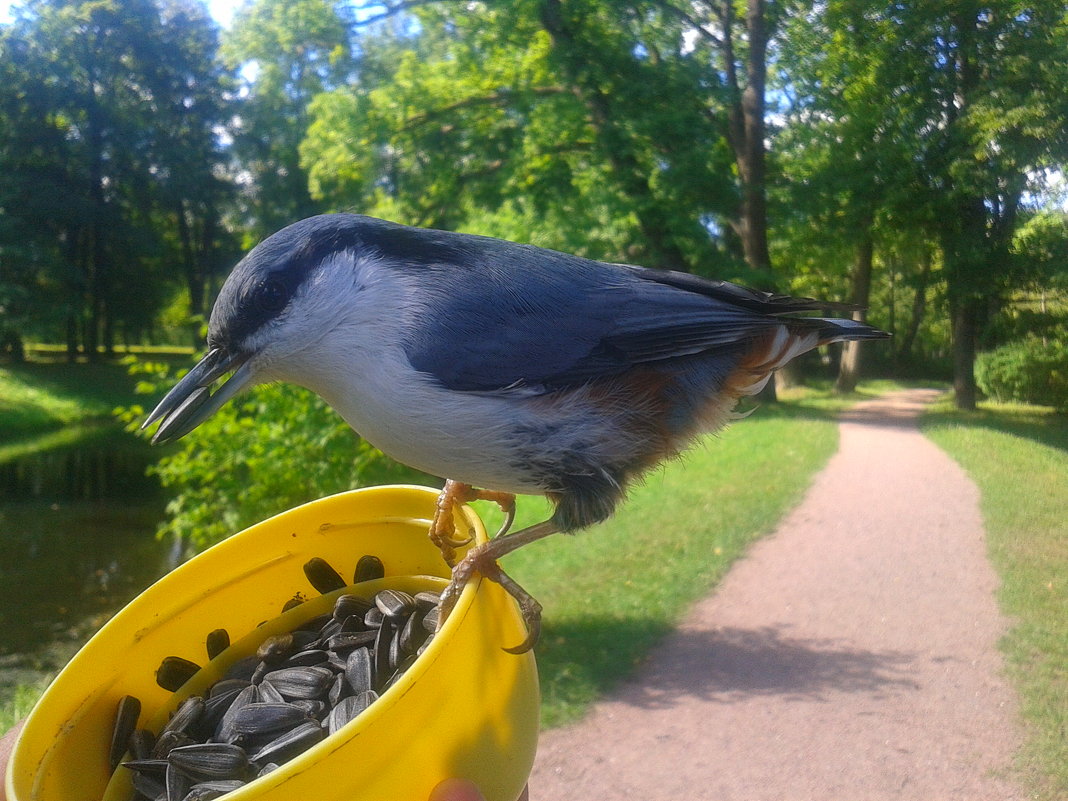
{"x":271,"y":295}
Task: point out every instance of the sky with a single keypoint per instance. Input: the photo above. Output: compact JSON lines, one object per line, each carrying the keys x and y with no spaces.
{"x":221,"y":10}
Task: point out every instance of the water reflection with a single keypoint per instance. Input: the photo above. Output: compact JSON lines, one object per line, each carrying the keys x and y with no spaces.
{"x":77,"y":530}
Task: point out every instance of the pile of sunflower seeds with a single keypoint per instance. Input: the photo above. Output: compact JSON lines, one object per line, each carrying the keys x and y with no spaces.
{"x":300,"y":687}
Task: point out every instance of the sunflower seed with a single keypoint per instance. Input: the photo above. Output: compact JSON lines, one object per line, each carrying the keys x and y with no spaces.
{"x":155,"y":767}
{"x":129,"y":709}
{"x":425,"y":601}
{"x":178,"y":784}
{"x":150,"y":785}
{"x":322,"y":576}
{"x":293,"y":602}
{"x":359,"y":670}
{"x":268,"y":693}
{"x":368,"y":568}
{"x":413,"y":633}
{"x":346,"y":642}
{"x":141,"y":743}
{"x":186,"y":716}
{"x":224,"y":731}
{"x":313,"y":656}
{"x":301,"y":682}
{"x":243,"y":669}
{"x":217,"y":642}
{"x":276,"y":648}
{"x":385,"y":634}
{"x":224,"y":686}
{"x":341,"y":714}
{"x":374,"y":617}
{"x":209,"y":761}
{"x":395,"y":604}
{"x":209,"y":791}
{"x":174,"y":671}
{"x":430,"y":620}
{"x":289,"y":744}
{"x":168,"y":741}
{"x":267,"y":718}
{"x":338,"y":690}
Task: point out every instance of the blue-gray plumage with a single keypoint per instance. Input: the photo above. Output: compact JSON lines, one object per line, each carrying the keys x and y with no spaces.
{"x":498,"y":365}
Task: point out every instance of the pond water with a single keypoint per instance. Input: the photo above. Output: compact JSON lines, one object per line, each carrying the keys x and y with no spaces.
{"x":77,"y":542}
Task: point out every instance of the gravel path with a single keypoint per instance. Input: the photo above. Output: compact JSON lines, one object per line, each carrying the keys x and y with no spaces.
{"x":852,"y":655}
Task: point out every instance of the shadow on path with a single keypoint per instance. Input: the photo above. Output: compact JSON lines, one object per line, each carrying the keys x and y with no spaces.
{"x":731,"y":664}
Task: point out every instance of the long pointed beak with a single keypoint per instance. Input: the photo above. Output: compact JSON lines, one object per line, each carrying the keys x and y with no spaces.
{"x":191,"y":401}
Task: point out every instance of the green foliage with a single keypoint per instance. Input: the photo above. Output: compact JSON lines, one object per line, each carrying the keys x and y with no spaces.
{"x":288,"y":52}
{"x":268,"y":450}
{"x":591,"y":134}
{"x":1030,"y":370}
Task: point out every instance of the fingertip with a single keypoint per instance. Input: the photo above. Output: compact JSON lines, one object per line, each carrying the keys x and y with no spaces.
{"x":456,"y":790}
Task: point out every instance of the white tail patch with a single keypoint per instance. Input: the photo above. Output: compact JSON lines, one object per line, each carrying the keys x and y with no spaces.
{"x":781,"y":347}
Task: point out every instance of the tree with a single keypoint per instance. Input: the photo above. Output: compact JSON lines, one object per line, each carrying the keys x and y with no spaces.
{"x":621,"y":130}
{"x":965,"y":100}
{"x":286,"y":53}
{"x":984,"y":88}
{"x":108,"y":120}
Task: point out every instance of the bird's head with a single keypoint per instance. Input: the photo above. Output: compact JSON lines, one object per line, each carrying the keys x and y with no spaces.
{"x":278,"y":302}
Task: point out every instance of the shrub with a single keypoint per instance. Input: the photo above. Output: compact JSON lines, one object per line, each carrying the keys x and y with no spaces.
{"x":1027,"y":370}
{"x":265,"y":451}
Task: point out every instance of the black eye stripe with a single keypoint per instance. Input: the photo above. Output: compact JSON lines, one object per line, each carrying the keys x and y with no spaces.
{"x":271,"y":295}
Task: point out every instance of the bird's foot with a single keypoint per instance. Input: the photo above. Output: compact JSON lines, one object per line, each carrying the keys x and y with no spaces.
{"x":443,"y":527}
{"x":483,"y":560}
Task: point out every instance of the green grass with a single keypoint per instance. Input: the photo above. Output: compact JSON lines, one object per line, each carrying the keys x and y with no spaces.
{"x":37,"y":397}
{"x":19,"y":701}
{"x":613,"y":591}
{"x":1018,"y":457}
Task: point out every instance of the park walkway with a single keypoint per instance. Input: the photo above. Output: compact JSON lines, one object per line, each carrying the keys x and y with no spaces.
{"x":851,"y":655}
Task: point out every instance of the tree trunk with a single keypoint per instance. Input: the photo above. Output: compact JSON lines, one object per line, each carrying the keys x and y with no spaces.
{"x":849,"y":366}
{"x":964,"y":315}
{"x":746,"y":133}
{"x":919,"y":309}
{"x":72,"y":338}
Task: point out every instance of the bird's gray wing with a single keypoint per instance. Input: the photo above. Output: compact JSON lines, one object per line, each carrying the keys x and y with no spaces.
{"x":562,"y":321}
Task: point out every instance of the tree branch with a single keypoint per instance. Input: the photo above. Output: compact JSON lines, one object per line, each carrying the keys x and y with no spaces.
{"x":697,"y":25}
{"x":390,"y":10}
{"x":496,"y":98}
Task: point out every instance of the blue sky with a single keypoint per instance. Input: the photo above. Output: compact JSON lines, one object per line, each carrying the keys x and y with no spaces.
{"x":222,"y":10}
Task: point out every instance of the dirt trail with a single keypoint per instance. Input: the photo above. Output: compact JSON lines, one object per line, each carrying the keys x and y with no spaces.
{"x":851,"y":655}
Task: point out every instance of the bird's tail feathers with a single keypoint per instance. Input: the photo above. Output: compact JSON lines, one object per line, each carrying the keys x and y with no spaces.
{"x":832,"y":329}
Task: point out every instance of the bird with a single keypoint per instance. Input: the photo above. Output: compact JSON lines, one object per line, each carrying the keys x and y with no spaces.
{"x":504,"y":368}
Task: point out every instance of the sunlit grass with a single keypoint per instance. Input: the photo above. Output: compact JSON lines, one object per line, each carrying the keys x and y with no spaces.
{"x":37,"y":397}
{"x":18,"y":701}
{"x":1018,"y":457}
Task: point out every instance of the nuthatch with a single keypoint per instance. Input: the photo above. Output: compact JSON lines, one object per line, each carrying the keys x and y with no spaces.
{"x":494,"y":364}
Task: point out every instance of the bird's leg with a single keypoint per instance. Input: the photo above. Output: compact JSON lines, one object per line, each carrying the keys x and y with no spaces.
{"x":483,"y":558}
{"x":443,"y":527}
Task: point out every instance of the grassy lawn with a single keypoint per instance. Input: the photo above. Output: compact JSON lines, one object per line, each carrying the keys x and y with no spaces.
{"x":1018,"y":457}
{"x":37,"y":397}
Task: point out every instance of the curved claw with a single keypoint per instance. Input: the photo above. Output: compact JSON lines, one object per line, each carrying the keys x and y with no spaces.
{"x":509,"y":519}
{"x":453,"y":543}
{"x":529,"y":608}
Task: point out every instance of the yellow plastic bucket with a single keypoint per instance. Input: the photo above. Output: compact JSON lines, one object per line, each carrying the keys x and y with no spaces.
{"x":466,"y":708}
